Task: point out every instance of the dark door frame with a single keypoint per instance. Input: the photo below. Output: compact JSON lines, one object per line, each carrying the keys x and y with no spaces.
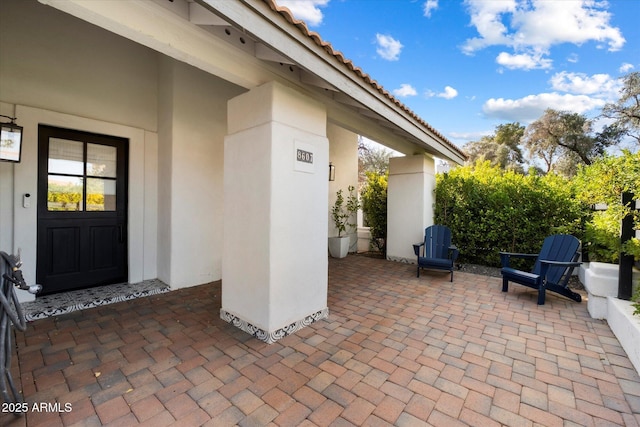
{"x":81,"y":269}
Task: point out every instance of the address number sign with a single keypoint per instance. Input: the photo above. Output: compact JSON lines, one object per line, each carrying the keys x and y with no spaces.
{"x":304,"y":156}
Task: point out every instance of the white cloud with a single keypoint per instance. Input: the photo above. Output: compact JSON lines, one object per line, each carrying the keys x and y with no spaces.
{"x":531,"y":107}
{"x":577,"y":21}
{"x":573,"y":58}
{"x":429,"y":6}
{"x":306,"y":10}
{"x":626,"y":67}
{"x":405,"y":90}
{"x":388,"y":47}
{"x":486,"y":16}
{"x":574,"y":92}
{"x":524,"y":61}
{"x":532,"y":27}
{"x":448,"y":93}
{"x":598,"y":85}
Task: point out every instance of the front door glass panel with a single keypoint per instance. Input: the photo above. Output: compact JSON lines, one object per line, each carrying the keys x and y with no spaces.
{"x":101,"y":160}
{"x":71,"y":164}
{"x":66,"y":157}
{"x":101,"y":194}
{"x":65,"y":193}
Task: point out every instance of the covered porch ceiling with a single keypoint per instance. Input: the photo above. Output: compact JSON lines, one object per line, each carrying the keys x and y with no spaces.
{"x":252,"y":42}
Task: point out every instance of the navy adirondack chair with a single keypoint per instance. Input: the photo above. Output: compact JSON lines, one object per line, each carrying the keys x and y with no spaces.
{"x":438,"y":253}
{"x":552,"y":270}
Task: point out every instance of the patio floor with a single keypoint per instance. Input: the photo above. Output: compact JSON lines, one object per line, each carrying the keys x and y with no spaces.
{"x":395,"y":350}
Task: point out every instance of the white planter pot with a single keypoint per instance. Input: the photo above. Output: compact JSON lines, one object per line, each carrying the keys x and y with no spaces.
{"x":339,"y":246}
{"x":626,"y":327}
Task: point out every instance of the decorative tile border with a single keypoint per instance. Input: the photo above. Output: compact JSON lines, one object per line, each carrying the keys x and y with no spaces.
{"x":271,"y":337}
{"x":67,"y":302}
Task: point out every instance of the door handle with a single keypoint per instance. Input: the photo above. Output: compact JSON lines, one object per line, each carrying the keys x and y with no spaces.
{"x":121,"y":233}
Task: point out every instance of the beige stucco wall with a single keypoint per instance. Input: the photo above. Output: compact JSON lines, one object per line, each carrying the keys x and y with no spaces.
{"x":191,"y":154}
{"x":6,"y":194}
{"x":343,"y":153}
{"x":53,"y":61}
{"x":410,"y":203}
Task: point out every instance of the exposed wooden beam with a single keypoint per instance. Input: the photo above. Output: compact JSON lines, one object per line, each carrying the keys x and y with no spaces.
{"x":201,"y":16}
{"x":316,"y":81}
{"x":265,"y":53}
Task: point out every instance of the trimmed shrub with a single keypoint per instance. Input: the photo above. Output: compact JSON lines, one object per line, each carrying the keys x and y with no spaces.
{"x":374,"y":207}
{"x":490,"y":210}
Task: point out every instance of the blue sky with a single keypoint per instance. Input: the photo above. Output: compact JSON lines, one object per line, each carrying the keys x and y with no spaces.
{"x":467,"y":66}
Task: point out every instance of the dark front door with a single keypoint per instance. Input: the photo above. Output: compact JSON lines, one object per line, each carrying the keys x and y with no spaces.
{"x":82,"y":209}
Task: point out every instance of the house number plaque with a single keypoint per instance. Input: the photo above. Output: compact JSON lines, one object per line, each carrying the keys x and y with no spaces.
{"x":304,"y":156}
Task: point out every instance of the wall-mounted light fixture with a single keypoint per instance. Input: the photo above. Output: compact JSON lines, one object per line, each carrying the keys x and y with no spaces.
{"x":10,"y":140}
{"x":332,"y":172}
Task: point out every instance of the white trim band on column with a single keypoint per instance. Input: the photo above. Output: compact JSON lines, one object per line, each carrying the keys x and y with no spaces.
{"x":271,"y":337}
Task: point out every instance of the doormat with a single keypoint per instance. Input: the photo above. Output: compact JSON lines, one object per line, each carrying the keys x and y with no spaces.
{"x":67,"y":302}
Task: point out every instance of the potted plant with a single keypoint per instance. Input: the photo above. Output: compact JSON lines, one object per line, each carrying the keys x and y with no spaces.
{"x":341,"y":214}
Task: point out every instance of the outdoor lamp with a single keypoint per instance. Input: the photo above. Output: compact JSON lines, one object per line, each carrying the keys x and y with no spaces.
{"x":332,"y":172}
{"x":10,"y":140}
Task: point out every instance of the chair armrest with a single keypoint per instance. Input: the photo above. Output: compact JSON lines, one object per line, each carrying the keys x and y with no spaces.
{"x":453,"y":252}
{"x":545,"y":264}
{"x":505,"y":257}
{"x":416,"y":248}
{"x":561,"y":263}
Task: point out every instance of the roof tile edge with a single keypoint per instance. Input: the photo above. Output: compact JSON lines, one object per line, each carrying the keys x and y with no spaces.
{"x":302,"y":26}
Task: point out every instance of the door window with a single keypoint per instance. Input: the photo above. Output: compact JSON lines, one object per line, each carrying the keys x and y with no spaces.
{"x":81,"y":176}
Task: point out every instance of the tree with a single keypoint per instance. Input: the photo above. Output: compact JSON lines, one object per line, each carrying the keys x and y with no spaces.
{"x":500,"y":149}
{"x":563,"y":139}
{"x":482,"y":150}
{"x":626,"y":110}
{"x":371,"y":158}
{"x":509,"y":135}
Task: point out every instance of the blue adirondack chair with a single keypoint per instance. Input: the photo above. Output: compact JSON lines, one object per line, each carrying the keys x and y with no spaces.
{"x":438,"y":252}
{"x":551,"y":271}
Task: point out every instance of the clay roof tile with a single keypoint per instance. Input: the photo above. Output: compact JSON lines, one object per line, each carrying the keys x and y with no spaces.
{"x":302,"y":26}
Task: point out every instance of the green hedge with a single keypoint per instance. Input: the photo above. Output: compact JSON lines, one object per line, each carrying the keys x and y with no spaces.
{"x":490,"y":210}
{"x":374,"y":207}
{"x":603,"y":182}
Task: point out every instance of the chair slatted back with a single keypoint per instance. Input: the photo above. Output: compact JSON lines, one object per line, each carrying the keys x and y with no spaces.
{"x":559,"y":247}
{"x":437,"y":239}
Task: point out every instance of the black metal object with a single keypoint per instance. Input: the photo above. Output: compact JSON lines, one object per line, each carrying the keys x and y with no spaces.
{"x":625,"y":275}
{"x":11,"y":133}
{"x":10,"y":313}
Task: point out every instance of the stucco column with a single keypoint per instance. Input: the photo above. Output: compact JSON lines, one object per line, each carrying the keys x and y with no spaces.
{"x":274,"y":262}
{"x":410,"y":203}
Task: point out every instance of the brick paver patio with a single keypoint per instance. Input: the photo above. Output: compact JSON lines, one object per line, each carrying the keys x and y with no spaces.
{"x":396,"y":350}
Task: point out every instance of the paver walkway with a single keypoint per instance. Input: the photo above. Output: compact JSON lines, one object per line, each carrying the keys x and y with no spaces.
{"x":396,"y":350}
